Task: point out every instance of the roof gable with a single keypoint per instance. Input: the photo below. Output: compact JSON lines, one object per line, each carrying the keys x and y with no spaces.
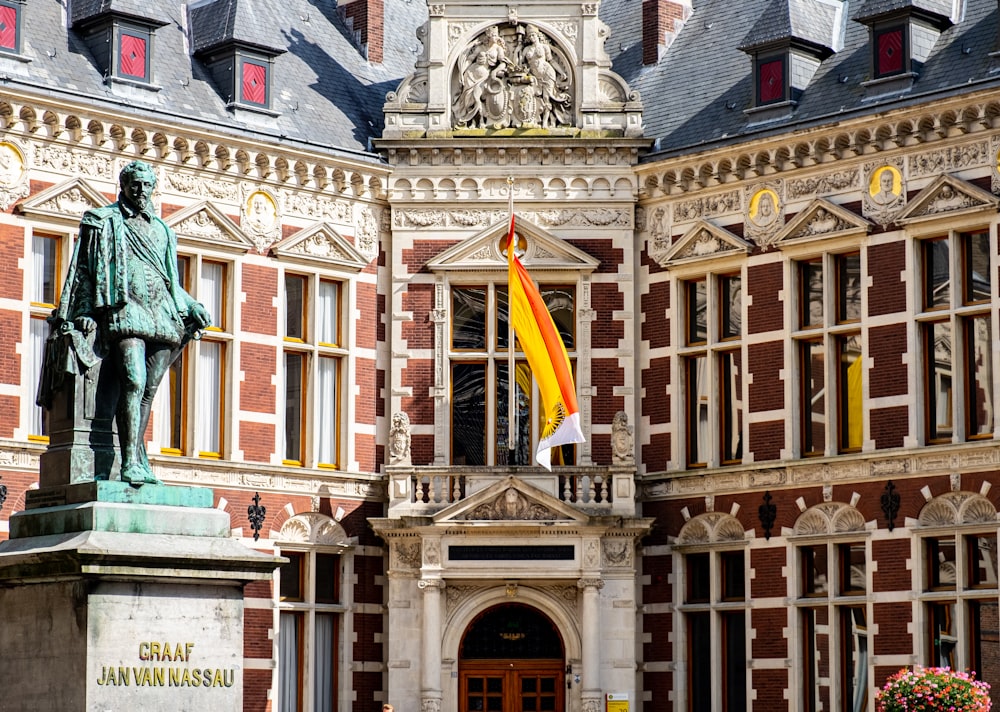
{"x":203,"y":224}
{"x":541,"y":250}
{"x":320,"y":244}
{"x":947,"y":196}
{"x":822,"y":220}
{"x":66,"y":201}
{"x":704,"y":242}
{"x":510,"y":499}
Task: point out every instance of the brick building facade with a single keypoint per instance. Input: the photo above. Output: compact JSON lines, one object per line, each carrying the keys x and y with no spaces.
{"x":768,"y":238}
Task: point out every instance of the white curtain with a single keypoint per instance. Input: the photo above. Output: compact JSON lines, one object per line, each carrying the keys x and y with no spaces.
{"x":39,"y":331}
{"x":326,"y":410}
{"x":162,"y":417}
{"x":210,"y":291}
{"x":323,"y":689}
{"x":209,"y":398}
{"x":42,"y":268}
{"x":288,"y":663}
{"x":327,"y":308}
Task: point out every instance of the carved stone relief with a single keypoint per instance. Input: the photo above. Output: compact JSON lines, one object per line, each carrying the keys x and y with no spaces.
{"x":511,"y":504}
{"x":512,"y":75}
{"x":14,"y":183}
{"x":765,"y":212}
{"x":260,"y":214}
{"x":884,"y":191}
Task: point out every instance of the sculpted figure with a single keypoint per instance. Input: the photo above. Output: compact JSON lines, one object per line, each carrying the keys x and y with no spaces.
{"x":122,"y":303}
{"x":536,"y":56}
{"x":621,"y":439}
{"x":399,"y":439}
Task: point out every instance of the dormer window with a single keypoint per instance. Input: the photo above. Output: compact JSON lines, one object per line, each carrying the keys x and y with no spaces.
{"x":133,"y":53}
{"x":772,"y":86}
{"x":902,"y":37}
{"x":10,"y":25}
{"x":255,"y":85}
{"x":122,"y":45}
{"x":890,"y":51}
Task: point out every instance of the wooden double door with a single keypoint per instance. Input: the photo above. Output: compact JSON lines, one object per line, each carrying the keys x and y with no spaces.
{"x":512,"y":686}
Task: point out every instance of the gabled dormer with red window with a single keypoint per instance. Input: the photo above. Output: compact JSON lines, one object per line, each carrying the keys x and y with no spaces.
{"x":902,"y":36}
{"x":121,"y":42}
{"x":787,"y":45}
{"x":231,"y":38}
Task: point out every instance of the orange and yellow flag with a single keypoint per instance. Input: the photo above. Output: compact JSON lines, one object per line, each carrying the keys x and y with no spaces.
{"x":546,"y":355}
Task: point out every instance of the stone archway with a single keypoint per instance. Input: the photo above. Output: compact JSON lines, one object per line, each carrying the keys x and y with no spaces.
{"x":511,"y":659}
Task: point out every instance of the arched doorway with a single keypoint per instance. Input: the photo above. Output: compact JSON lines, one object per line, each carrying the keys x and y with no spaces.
{"x":512,"y":659}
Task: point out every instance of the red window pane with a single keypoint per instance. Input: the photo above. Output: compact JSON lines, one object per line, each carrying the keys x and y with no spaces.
{"x":772,"y":83}
{"x":890,"y":53}
{"x":8,"y":28}
{"x":254,"y":83}
{"x":133,"y":56}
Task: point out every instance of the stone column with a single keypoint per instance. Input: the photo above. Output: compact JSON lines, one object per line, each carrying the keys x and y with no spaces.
{"x":430,"y":677}
{"x":591,"y":626}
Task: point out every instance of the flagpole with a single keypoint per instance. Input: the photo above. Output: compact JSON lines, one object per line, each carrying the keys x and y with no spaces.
{"x":511,"y":381}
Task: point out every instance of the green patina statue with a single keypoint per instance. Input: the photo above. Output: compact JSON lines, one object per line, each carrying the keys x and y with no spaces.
{"x":122,"y":304}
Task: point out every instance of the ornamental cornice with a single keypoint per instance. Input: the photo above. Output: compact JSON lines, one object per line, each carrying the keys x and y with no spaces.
{"x":925,"y":462}
{"x":95,"y":142}
{"x":931,"y":136}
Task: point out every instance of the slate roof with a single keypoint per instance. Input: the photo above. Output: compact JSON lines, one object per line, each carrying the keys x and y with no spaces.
{"x":812,"y":21}
{"x":243,"y":21}
{"x":695,"y":96}
{"x":327,"y":94}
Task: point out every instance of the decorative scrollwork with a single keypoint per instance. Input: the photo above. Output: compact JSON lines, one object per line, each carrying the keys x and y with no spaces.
{"x":255,"y":513}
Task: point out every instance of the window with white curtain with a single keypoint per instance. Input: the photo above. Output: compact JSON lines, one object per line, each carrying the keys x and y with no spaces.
{"x":309,"y":618}
{"x":198,"y":376}
{"x":44,"y":285}
{"x":313,"y":368}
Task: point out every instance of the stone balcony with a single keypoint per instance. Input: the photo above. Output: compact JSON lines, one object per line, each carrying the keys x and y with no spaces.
{"x":596,"y":491}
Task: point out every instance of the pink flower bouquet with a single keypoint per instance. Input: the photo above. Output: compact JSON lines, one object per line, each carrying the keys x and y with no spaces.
{"x":933,"y":690}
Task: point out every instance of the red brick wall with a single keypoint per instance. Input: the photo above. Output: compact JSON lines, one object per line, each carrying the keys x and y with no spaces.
{"x":657,"y":18}
{"x":886,"y":346}
{"x":257,"y":393}
{"x":768,"y":580}
{"x":767,"y":440}
{"x":889,"y":426}
{"x":607,"y":331}
{"x":12,"y":238}
{"x":256,"y":685}
{"x":367,"y":19}
{"x":767,"y":390}
{"x":261,"y":287}
{"x":893,"y":620}
{"x":768,"y":624}
{"x":891,"y":555}
{"x":765,"y":312}
{"x":886,"y":264}
{"x":770,"y":688}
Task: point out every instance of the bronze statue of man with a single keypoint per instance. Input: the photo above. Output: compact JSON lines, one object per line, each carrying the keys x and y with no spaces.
{"x":122,"y":295}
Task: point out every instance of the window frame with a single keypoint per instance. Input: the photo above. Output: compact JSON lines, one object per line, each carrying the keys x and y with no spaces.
{"x":121,"y":29}
{"x":306,"y":609}
{"x":827,"y":334}
{"x":718,"y":612}
{"x":953,"y":419}
{"x":833,"y":602}
{"x":37,"y":312}
{"x":311,"y":352}
{"x":182,"y":384}
{"x":493,"y":356}
{"x":705,"y":368}
{"x":759,"y":62}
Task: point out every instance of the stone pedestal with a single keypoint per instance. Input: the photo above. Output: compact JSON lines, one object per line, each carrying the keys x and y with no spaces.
{"x":114,"y":597}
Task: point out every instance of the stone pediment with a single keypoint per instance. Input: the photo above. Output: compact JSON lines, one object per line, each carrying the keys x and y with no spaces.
{"x":947,"y":196}
{"x":205,"y":225}
{"x":704,"y":241}
{"x":537,"y":248}
{"x":510,"y":500}
{"x":320,"y":244}
{"x":66,"y":201}
{"x":822,"y":220}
